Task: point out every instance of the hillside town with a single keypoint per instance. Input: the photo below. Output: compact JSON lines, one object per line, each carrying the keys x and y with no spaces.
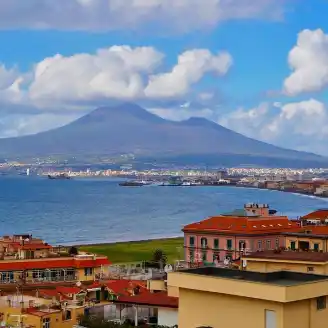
{"x":244,"y":267}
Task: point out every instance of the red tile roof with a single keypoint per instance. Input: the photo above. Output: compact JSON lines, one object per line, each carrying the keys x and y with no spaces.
{"x":243,"y":225}
{"x":68,"y":262}
{"x":309,"y":230}
{"x":160,"y":299}
{"x":33,"y":246}
{"x":68,"y":290}
{"x":319,"y":214}
{"x":125,"y":287}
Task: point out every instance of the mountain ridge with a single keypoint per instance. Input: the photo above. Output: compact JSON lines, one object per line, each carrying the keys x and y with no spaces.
{"x":128,"y":128}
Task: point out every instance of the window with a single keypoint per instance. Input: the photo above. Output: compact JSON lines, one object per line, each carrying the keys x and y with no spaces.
{"x":191,"y":256}
{"x":268,"y":244}
{"x":321,"y":303}
{"x":316,"y":247}
{"x":216,"y":243}
{"x":259,"y":245}
{"x":216,"y":257}
{"x":204,"y":256}
{"x":191,"y":241}
{"x":310,"y":269}
{"x":88,"y":271}
{"x":203,"y":242}
{"x":67,"y":315}
{"x":229,"y":243}
{"x":46,"y":323}
{"x":293,"y":245}
{"x":277,"y":243}
{"x":270,"y":319}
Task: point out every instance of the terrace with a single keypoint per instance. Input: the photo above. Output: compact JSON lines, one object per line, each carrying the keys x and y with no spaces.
{"x":278,"y":286}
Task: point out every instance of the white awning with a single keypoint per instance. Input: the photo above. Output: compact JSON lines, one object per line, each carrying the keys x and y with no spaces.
{"x":93,"y":289}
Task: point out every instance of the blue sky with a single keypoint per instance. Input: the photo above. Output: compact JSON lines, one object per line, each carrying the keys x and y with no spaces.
{"x":256,"y":90}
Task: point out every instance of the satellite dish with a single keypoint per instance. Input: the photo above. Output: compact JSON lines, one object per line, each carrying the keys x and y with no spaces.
{"x":78,"y":284}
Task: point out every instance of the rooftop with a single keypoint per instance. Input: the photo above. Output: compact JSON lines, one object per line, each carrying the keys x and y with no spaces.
{"x":320,"y":231}
{"x":289,"y":256}
{"x":52,"y":263}
{"x":242,"y":225}
{"x":318,"y":214}
{"x":278,"y":278}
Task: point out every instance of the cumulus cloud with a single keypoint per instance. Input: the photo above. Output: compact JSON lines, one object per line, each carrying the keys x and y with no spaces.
{"x":100,"y":15}
{"x":121,"y":72}
{"x":300,"y":125}
{"x":309,"y":63}
{"x":191,"y":67}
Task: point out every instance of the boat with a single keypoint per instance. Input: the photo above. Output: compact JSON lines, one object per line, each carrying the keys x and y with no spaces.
{"x":131,"y":184}
{"x":61,"y":176}
{"x":173,"y":182}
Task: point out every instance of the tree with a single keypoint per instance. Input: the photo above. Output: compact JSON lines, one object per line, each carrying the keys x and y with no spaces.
{"x":73,"y":251}
{"x":159,"y":257}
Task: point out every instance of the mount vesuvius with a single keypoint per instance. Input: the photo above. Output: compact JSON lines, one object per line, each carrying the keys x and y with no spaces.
{"x":129,"y":128}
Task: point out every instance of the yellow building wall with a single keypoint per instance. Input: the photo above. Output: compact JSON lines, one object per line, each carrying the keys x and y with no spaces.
{"x":56,"y":318}
{"x":198,"y":309}
{"x":311,"y":241}
{"x":82,"y":277}
{"x":304,"y":314}
{"x":269,"y":266}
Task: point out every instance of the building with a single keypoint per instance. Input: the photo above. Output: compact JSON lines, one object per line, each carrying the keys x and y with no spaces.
{"x":318,"y":217}
{"x":132,"y":300}
{"x":215,"y":297}
{"x":23,"y":257}
{"x":307,"y":238}
{"x":72,"y":268}
{"x":229,"y":235}
{"x":268,"y":261}
{"x":21,"y":310}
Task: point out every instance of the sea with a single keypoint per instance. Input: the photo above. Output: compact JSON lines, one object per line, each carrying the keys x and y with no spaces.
{"x":87,"y":210}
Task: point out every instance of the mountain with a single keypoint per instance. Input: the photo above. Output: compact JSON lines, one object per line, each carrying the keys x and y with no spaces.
{"x":129,"y":128}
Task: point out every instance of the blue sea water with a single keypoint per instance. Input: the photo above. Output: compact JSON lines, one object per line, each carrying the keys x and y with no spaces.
{"x":99,"y":210}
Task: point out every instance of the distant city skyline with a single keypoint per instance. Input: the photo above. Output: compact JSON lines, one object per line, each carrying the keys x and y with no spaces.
{"x":258,"y":67}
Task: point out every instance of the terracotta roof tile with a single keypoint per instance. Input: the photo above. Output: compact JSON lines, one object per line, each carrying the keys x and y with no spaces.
{"x":52,"y":264}
{"x":319,"y":214}
{"x":248,"y":225}
{"x":160,"y":299}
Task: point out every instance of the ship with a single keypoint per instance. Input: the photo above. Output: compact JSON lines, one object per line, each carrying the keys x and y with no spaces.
{"x":61,"y":176}
{"x":134,"y":183}
{"x":173,"y":182}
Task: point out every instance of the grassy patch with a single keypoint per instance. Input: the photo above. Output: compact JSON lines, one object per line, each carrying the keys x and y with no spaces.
{"x":138,"y":250}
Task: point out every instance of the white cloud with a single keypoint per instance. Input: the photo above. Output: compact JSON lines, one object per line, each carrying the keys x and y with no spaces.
{"x":128,"y":14}
{"x":191,"y":67}
{"x":120,"y":72}
{"x":19,"y":125}
{"x":117,"y":72}
{"x":181,"y":113}
{"x":299,"y":125}
{"x":309,"y":63}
